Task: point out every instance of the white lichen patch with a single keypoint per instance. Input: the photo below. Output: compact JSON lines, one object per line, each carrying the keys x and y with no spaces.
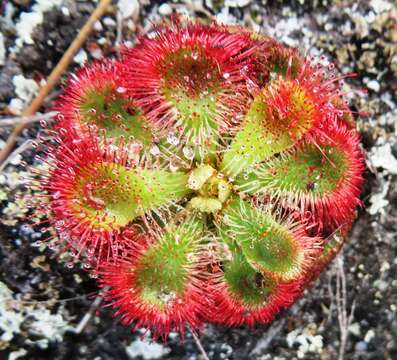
{"x":380,"y":6}
{"x":378,"y":200}
{"x":17,"y":207}
{"x":25,"y":26}
{"x":16,"y":317}
{"x":50,"y":327}
{"x":382,"y":157}
{"x":25,"y":88}
{"x":10,"y":319}
{"x":29,"y":20}
{"x":17,"y":354}
{"x":147,"y":350}
{"x":308,"y":342}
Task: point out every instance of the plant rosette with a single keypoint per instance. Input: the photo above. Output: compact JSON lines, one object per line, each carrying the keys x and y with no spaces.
{"x":204,"y":176}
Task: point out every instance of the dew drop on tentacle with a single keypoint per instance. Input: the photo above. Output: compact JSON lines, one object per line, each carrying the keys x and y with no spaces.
{"x":188,"y":152}
{"x":121,"y":90}
{"x":172,"y":139}
{"x":154,"y":150}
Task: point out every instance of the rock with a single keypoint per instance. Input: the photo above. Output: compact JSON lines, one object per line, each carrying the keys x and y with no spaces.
{"x":25,"y":88}
{"x":30,"y":58}
{"x":81,"y":57}
{"x":9,"y":70}
{"x":369,"y":336}
{"x":237,"y":3}
{"x":373,"y":85}
{"x":109,"y":22}
{"x":7,"y":27}
{"x":128,"y":8}
{"x":16,"y":106}
{"x":165,"y":9}
{"x":361,"y":346}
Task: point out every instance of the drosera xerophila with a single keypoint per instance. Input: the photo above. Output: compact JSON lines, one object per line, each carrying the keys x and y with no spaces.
{"x":206,"y":175}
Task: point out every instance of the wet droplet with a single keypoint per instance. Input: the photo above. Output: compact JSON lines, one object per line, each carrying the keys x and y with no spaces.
{"x":244,"y":70}
{"x":172,"y":139}
{"x":174,"y":164}
{"x":56,"y":195}
{"x":188,"y":152}
{"x":251,"y":86}
{"x":59,"y":224}
{"x":121,"y":90}
{"x":154,"y":150}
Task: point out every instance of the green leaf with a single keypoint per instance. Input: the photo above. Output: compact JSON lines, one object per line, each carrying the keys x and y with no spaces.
{"x":111,"y":112}
{"x":306,"y":171}
{"x":164,"y":270}
{"x":192,"y":84}
{"x":277,"y":118}
{"x":112,"y":195}
{"x":247,"y":284}
{"x":268,"y":245}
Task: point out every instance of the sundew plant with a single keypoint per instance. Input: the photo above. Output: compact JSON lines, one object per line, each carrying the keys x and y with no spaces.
{"x":209,"y":174}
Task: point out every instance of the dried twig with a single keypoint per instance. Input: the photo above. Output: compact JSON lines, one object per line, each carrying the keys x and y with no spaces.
{"x":264,"y":342}
{"x":55,"y":76}
{"x":119,"y":33}
{"x":331,"y":296}
{"x":51,"y":301}
{"x":12,"y":121}
{"x":341,"y":305}
{"x":88,"y":316}
{"x":20,"y":149}
{"x":199,"y":345}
